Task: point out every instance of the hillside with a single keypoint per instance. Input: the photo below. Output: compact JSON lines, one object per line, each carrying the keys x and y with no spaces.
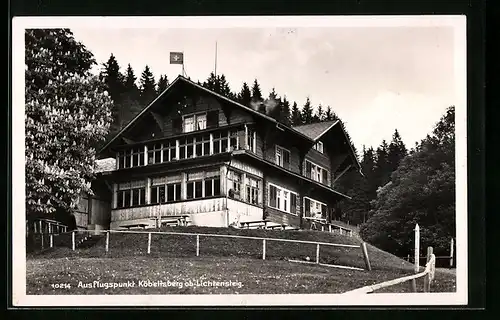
{"x":174,"y":257}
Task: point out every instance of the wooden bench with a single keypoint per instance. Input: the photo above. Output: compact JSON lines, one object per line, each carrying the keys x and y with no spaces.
{"x":177,"y":220}
{"x":135,"y":226}
{"x":256,"y":223}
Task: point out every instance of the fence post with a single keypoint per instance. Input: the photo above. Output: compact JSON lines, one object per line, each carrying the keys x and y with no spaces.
{"x":149,"y":242}
{"x":107,"y":241}
{"x":197,"y":245}
{"x":263,"y":249}
{"x":427,"y":277}
{"x":73,"y":244}
{"x":365,"y":256}
{"x":417,"y":256}
{"x":451,"y":253}
{"x":51,"y":241}
{"x":317,"y":253}
{"x":42,"y":239}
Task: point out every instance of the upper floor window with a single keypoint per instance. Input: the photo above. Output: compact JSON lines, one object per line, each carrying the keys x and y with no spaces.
{"x":319,"y":146}
{"x":282,"y":157}
{"x":131,"y":158}
{"x":194,"y":122}
{"x":316,"y":173}
{"x":282,"y":199}
{"x":251,"y":135}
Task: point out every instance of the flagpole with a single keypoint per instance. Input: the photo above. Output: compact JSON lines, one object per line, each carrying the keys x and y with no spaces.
{"x":183,"y":73}
{"x":216,"y":58}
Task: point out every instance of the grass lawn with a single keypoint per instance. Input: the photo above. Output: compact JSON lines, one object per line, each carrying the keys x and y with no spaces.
{"x":173,"y":265}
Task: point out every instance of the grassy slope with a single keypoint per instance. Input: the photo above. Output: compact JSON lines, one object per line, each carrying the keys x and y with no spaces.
{"x":173,"y":258}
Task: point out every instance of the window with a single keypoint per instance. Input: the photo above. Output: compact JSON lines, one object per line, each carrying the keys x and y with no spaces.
{"x":220,"y":142}
{"x":131,"y":158}
{"x":315,"y":209}
{"x":203,"y":184}
{"x":319,"y":146}
{"x":282,"y":199}
{"x":252,"y":190}
{"x":316,"y":173}
{"x":235,"y":182}
{"x":202,"y":145}
{"x":154,"y":153}
{"x":186,"y":148}
{"x":233,"y":140}
{"x":169,"y":151}
{"x":189,"y":123}
{"x":165,"y":189}
{"x":251,"y":134}
{"x":195,"y":122}
{"x":282,"y":157}
{"x":131,"y":194}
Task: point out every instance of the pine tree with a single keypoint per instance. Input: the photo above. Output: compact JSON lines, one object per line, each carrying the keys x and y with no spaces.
{"x":256,"y":92}
{"x":147,"y":86}
{"x":397,"y":151}
{"x":131,"y":89}
{"x":295,"y":116}
{"x":285,"y":116}
{"x":382,"y":171}
{"x":67,"y":115}
{"x":328,"y":114}
{"x":245,"y":96}
{"x":319,"y":115}
{"x":112,"y":78}
{"x":162,"y":84}
{"x":307,"y":112}
{"x":211,"y":83}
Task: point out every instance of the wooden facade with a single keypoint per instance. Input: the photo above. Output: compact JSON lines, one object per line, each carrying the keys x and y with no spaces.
{"x":193,"y":152}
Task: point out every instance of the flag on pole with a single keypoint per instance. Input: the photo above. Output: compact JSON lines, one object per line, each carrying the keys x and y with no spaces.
{"x":176,"y":58}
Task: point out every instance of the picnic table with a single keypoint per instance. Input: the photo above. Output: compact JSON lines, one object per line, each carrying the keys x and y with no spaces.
{"x":258,"y":223}
{"x":178,"y":220}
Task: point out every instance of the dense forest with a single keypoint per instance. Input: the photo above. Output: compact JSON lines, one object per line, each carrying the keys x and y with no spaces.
{"x":400,"y":186}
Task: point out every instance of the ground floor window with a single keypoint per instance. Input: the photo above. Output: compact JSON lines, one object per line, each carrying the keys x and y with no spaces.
{"x":203,"y":184}
{"x":131,"y":194}
{"x":282,"y":199}
{"x":315,"y":209}
{"x":252,"y":186}
{"x":165,"y":189}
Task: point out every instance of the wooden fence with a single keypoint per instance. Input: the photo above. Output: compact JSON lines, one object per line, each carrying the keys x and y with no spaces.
{"x":198,"y":236}
{"x":427,"y":274}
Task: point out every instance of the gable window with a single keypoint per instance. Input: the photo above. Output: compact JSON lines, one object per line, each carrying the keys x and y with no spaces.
{"x":315,"y":209}
{"x":194,"y":122}
{"x":282,"y":157}
{"x":282,"y":199}
{"x":316,"y":173}
{"x":251,"y":135}
{"x":319,"y":146}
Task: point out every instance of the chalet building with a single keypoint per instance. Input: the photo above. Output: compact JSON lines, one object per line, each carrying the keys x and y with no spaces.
{"x":192,"y":152}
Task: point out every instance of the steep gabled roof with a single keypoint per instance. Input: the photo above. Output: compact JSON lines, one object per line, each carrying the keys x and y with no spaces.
{"x":315,"y":130}
{"x":308,"y":132}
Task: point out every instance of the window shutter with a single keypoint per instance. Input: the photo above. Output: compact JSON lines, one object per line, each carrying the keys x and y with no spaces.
{"x":272,"y":196}
{"x":325,"y":176}
{"x":307,"y":207}
{"x":293,"y":203}
{"x":177,"y":125}
{"x":308,"y":169}
{"x":213,"y":119}
{"x":286,"y":159}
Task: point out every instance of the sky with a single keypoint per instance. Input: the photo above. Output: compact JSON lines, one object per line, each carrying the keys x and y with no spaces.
{"x":377,"y":78}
